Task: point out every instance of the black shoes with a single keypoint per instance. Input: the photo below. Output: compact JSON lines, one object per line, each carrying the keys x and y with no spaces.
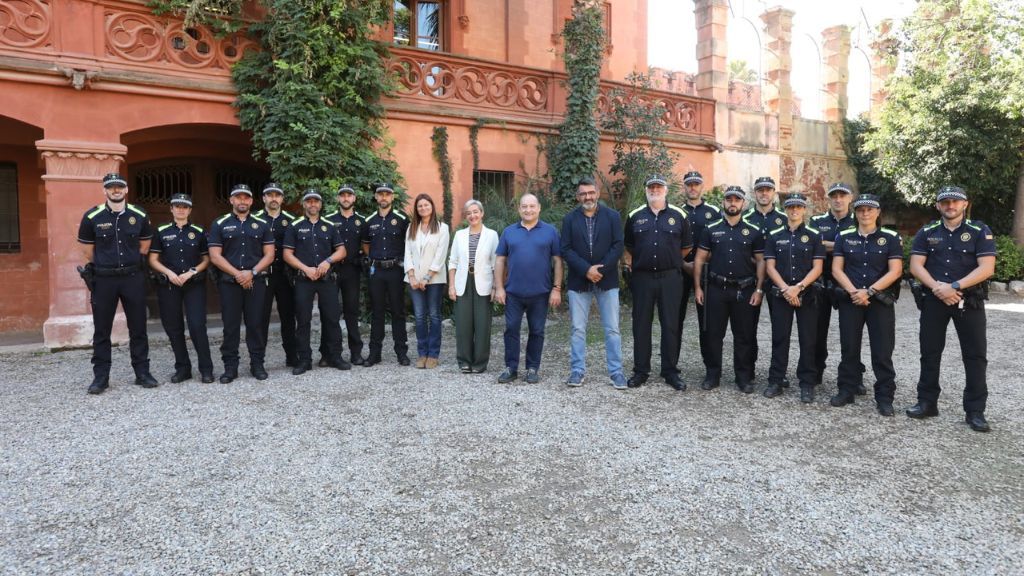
{"x":301,"y":368}
{"x":674,"y":381}
{"x":181,"y":376}
{"x":99,"y":385}
{"x":636,"y":381}
{"x":323,"y":363}
{"x":923,"y":410}
{"x":373,"y":359}
{"x":532,"y":377}
{"x":228,"y":376}
{"x":746,"y":387}
{"x":842,"y":399}
{"x":341,"y":364}
{"x":357,"y":359}
{"x":773,"y":390}
{"x":709,"y":383}
{"x":807,"y":394}
{"x":207,"y":377}
{"x":290,"y":362}
{"x":862,"y":390}
{"x":259,"y":372}
{"x":507,"y":376}
{"x":403,"y":360}
{"x":885,"y":409}
{"x":977,"y":422}
{"x":146,"y":380}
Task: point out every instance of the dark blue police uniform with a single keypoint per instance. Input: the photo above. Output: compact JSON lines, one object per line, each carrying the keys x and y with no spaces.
{"x":116,"y":237}
{"x":829,"y":226}
{"x":656,"y":242}
{"x":182,"y":249}
{"x":950,"y":256}
{"x":794,"y":253}
{"x":312,"y":243}
{"x":385,"y":235}
{"x":865,"y":261}
{"x":279,"y":287}
{"x":766,"y":223}
{"x":699,"y":217}
{"x":349,"y":272}
{"x":242,"y":242}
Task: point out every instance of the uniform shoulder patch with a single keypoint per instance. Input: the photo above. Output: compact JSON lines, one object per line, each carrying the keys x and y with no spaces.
{"x":400,"y":214}
{"x":258,"y":219}
{"x":329,"y":214}
{"x":974,"y":224}
{"x":847,"y":231}
{"x":713,"y":224}
{"x":299,"y":219}
{"x":137,"y":210}
{"x":198,"y":228}
{"x":779,"y":229}
{"x":95,"y":211}
{"x":223,"y":218}
{"x":931,"y":225}
{"x":890,"y":231}
{"x":637,"y":209}
{"x":258,"y":213}
{"x":713,"y":208}
{"x":678,"y":209}
{"x":358,"y":215}
{"x":812,"y":229}
{"x":288,"y":215}
{"x":164,"y":227}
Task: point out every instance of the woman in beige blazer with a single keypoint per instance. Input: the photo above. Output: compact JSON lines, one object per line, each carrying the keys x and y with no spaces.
{"x":470,"y":285}
{"x":426,"y":245}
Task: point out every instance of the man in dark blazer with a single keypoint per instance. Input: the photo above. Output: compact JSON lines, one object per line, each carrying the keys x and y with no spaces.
{"x":591,"y":248}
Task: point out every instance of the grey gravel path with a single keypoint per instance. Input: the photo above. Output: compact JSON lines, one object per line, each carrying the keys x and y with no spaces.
{"x":393,"y":470}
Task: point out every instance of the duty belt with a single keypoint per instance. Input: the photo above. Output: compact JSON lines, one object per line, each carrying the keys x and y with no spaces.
{"x":385,"y":264}
{"x":122,"y":271}
{"x":724,"y":282}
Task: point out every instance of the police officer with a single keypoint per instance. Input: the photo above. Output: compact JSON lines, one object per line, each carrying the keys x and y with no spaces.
{"x":114,"y":236}
{"x":349,"y":270}
{"x":867,"y":264}
{"x":733,"y":250}
{"x":383,"y":239}
{"x":839,"y":217}
{"x":242,"y":248}
{"x":699,"y":214}
{"x":657,"y":239}
{"x":765,"y":216}
{"x":312,"y":246}
{"x":179,"y":259}
{"x":793,"y":256}
{"x":279,"y":286}
{"x":952,"y":258}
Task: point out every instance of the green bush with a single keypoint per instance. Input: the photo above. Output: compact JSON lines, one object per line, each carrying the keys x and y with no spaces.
{"x":1009,"y":260}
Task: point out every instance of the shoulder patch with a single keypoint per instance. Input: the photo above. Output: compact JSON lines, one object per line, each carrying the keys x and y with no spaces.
{"x":713,"y":224}
{"x":164,"y":227}
{"x":714,"y":208}
{"x":400,"y":214}
{"x":258,"y":213}
{"x":890,"y":231}
{"x":299,"y":219}
{"x":198,"y":228}
{"x":358,"y":215}
{"x":328,"y":215}
{"x":779,"y":229}
{"x":95,"y":211}
{"x":749,"y":223}
{"x":972,"y":224}
{"x":847,"y":231}
{"x":137,"y":210}
{"x":931,"y":225}
{"x":288,"y":214}
{"x":637,"y":209}
{"x":678,"y":209}
{"x":223,"y":218}
{"x":258,"y":219}
{"x":812,"y":229}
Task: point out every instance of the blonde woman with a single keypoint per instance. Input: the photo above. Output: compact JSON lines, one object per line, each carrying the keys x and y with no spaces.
{"x":426,"y":245}
{"x":470,"y":286}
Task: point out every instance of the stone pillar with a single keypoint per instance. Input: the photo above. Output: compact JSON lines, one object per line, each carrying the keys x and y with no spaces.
{"x":778,"y":90}
{"x":836,"y":60}
{"x":712,"y":17}
{"x":74,"y":172}
{"x":883,"y":64}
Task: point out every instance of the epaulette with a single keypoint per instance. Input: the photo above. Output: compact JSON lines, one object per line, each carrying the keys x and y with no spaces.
{"x":95,"y":211}
{"x":890,"y":231}
{"x":716,"y":209}
{"x":325,"y":216}
{"x":400,"y":214}
{"x":258,"y":219}
{"x":749,"y":223}
{"x":358,"y":215}
{"x":299,"y":219}
{"x":224,"y":217}
{"x":258,"y":213}
{"x":715,"y":223}
{"x":137,"y":210}
{"x":326,"y":219}
{"x":812,"y":229}
{"x":971,"y":224}
{"x":287,"y":214}
{"x":779,"y":229}
{"x":164,"y":227}
{"x":637,"y":209}
{"x":198,"y":228}
{"x":678,"y":209}
{"x":931,"y":225}
{"x":848,"y":231}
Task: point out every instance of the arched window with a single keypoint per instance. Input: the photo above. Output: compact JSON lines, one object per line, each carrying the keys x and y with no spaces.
{"x":419,"y":24}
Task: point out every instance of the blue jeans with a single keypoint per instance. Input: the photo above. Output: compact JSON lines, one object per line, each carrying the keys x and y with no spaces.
{"x":536,"y":308}
{"x":426,"y":306}
{"x":579,"y":312}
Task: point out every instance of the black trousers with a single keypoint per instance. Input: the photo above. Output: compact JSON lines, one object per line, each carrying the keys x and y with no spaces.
{"x":326,"y":292}
{"x":730,"y":306}
{"x":349,"y":279}
{"x":387,"y":294}
{"x":661,"y":290}
{"x":130,"y":291}
{"x":191,"y":296}
{"x":237,"y":303}
{"x":279,"y":288}
{"x":684,"y":302}
{"x":970,"y":330}
{"x":782,"y":329}
{"x":881,"y":322}
{"x":821,"y":333}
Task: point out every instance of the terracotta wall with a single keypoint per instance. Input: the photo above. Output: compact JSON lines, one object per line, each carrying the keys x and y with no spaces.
{"x":24,"y":304}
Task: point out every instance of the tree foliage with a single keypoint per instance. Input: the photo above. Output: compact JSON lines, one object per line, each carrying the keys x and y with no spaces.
{"x":869,"y":179}
{"x":954,"y":115}
{"x":574,"y":155}
{"x":444,"y":163}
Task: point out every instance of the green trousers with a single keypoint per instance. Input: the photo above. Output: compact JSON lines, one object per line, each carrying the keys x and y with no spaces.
{"x":473,"y":328}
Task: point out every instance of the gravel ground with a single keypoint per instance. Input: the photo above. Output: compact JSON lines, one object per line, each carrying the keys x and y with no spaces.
{"x":393,"y":470}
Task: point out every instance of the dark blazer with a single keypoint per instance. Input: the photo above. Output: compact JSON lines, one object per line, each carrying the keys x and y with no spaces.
{"x":607,"y":249}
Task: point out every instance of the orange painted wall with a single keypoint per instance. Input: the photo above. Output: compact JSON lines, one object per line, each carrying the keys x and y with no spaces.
{"x":26,"y":282}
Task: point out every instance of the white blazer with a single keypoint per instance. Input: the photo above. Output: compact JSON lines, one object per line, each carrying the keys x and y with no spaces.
{"x":483,"y":272}
{"x":426,"y":254}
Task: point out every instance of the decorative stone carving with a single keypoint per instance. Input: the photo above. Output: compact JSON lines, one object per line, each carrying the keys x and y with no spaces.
{"x":143,"y":38}
{"x":25,"y":23}
{"x":470,"y":83}
{"x":678,"y":114}
{"x":80,"y":161}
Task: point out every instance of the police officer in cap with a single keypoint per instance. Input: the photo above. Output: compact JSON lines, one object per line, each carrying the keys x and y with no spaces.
{"x":312,"y":245}
{"x":179,"y":258}
{"x":657,"y":239}
{"x":279,"y":286}
{"x":952,"y":258}
{"x":349,"y":271}
{"x":867,"y":264}
{"x":383,"y":239}
{"x":114,"y":236}
{"x":794,"y":256}
{"x":733,"y":250}
{"x":700,"y":214}
{"x":242,"y":248}
{"x":767,"y":217}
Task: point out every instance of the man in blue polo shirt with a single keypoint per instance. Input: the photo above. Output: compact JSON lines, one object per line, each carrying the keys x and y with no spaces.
{"x":527,"y":252}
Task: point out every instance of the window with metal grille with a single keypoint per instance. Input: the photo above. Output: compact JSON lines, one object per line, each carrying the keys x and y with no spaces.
{"x":496,"y":181}
{"x":154,"y":186}
{"x":227,"y":176}
{"x":10,"y":231}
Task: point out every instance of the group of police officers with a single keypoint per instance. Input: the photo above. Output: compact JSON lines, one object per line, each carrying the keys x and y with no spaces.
{"x":803,"y":267}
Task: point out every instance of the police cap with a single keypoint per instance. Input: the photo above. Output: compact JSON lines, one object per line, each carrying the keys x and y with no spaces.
{"x":869,"y":200}
{"x":950,"y":193}
{"x":272,"y":187}
{"x":183,"y":199}
{"x":795,"y":199}
{"x":312,"y":194}
{"x":764,"y":182}
{"x":241,"y":189}
{"x":840,"y":187}
{"x":114,"y":179}
{"x":656,"y":180}
{"x":735,"y":191}
{"x":693,"y":177}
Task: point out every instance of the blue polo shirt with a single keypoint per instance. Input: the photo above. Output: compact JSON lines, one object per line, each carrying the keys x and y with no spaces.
{"x":952,"y":254}
{"x":528,"y":254}
{"x":866,"y":258}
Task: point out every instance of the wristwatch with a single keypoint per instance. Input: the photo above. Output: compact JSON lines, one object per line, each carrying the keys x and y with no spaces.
{"x":955,"y":286}
{"x":872,"y":291}
{"x":801,"y":286}
{"x":759,"y":291}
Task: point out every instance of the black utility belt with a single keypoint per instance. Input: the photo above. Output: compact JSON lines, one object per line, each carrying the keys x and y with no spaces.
{"x":121,"y":271}
{"x":658,"y":273}
{"x":385,"y":264}
{"x":725,"y":282}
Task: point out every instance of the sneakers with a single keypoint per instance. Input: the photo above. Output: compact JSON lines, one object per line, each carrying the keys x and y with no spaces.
{"x":509,"y":375}
{"x":575,"y":379}
{"x":532,"y":377}
{"x":619,"y":381}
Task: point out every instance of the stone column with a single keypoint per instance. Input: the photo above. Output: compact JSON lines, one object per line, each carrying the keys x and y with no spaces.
{"x":74,"y":172}
{"x":712,"y":17}
{"x":836,"y":60}
{"x":778,"y":90}
{"x":883,"y":64}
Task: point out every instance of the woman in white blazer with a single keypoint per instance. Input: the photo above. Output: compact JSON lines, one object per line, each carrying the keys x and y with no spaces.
{"x":426,"y":245}
{"x":470,"y":285}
